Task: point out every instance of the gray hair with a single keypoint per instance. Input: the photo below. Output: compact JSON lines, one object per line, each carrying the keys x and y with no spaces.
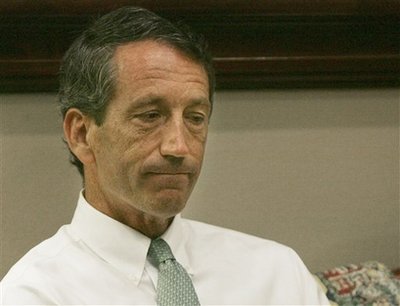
{"x":87,"y":73}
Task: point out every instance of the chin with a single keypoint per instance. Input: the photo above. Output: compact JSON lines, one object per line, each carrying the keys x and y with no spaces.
{"x":170,"y":204}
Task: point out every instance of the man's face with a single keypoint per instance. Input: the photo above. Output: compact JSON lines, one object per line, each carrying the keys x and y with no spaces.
{"x":149,"y":150}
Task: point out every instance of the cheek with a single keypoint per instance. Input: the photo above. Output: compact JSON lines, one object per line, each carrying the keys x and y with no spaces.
{"x":199,"y":145}
{"x":134,"y":153}
{"x":117,"y":172}
{"x":109,"y":151}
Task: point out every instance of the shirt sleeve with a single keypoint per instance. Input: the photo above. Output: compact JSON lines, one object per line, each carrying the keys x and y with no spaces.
{"x":313,"y":292}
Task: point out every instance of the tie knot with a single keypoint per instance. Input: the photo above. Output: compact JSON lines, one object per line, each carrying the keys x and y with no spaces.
{"x":160,"y":251}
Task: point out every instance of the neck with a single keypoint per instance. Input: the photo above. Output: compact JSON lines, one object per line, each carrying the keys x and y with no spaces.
{"x":147,"y":224}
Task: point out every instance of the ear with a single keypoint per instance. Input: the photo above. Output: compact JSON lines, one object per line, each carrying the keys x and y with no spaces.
{"x":76,"y":129}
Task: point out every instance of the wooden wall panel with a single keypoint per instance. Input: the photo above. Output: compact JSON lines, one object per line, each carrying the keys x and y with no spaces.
{"x":256,"y":44}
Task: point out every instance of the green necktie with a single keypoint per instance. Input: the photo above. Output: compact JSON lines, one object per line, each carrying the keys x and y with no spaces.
{"x":174,"y":285}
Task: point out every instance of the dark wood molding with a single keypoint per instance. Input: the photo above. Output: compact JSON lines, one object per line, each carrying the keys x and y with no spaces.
{"x":256,"y":44}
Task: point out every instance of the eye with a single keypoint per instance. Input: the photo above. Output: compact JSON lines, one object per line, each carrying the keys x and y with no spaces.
{"x":197,"y":118}
{"x":149,"y":116}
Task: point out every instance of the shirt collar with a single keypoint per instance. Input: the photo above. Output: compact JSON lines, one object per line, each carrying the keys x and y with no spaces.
{"x":121,"y":246}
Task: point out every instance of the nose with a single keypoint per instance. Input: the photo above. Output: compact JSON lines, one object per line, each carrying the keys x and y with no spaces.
{"x":174,"y":139}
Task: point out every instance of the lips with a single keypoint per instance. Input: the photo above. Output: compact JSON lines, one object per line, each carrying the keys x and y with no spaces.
{"x":167,"y":175}
{"x":170,"y":170}
{"x":168,"y":180}
{"x":170,"y":173}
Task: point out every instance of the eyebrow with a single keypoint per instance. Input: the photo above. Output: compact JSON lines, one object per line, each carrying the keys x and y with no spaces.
{"x":201,"y":101}
{"x":152,"y":100}
{"x":143,"y":102}
{"x":146,"y":100}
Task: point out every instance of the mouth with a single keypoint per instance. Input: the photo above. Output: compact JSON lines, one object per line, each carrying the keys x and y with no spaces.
{"x":170,"y":180}
{"x":169,"y":173}
{"x":170,"y":169}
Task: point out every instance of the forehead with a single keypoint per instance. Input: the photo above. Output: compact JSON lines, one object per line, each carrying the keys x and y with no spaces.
{"x":151,"y":60}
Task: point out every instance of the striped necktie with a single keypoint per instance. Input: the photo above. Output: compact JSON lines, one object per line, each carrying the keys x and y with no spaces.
{"x":174,"y":285}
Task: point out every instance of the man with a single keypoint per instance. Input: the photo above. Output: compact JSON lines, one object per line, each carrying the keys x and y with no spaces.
{"x":136,"y":97}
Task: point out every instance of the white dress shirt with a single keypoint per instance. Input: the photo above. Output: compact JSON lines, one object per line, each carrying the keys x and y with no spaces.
{"x":97,"y":260}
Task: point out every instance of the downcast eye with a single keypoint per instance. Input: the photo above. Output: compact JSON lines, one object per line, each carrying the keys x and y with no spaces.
{"x":197,"y":118}
{"x":149,"y":116}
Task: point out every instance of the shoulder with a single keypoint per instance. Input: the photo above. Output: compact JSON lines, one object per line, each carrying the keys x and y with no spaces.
{"x":225,"y":240}
{"x":250,"y":256}
{"x":264,"y":264}
{"x":42,"y":255}
{"x":30,"y":280}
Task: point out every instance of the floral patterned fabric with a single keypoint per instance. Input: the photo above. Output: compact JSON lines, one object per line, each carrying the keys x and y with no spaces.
{"x":370,"y":283}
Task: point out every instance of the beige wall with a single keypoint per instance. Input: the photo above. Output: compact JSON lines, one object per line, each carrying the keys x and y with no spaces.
{"x":315,"y":169}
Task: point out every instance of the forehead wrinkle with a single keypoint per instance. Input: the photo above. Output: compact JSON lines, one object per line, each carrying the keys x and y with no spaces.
{"x":164,"y":74}
{"x":148,"y":57}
